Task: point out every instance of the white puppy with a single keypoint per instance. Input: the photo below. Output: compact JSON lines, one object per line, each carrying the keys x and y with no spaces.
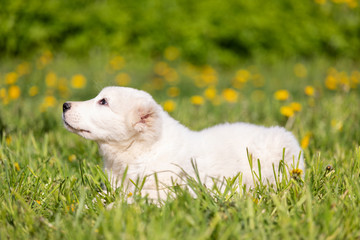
{"x":134,"y":133}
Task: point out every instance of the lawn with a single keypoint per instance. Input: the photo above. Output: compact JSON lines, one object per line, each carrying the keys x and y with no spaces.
{"x":50,"y":177}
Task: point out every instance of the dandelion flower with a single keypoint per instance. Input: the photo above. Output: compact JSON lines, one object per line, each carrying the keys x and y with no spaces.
{"x":210,"y":93}
{"x":11,"y":78}
{"x":78,"y":81}
{"x":44,"y":59}
{"x":63,"y":87}
{"x":17,"y":167}
{"x":173,"y":92}
{"x":230,"y":95}
{"x":282,"y":95}
{"x":8,"y":140}
{"x":171,"y":53}
{"x":51,"y":79}
{"x":34,"y":90}
{"x":287,"y":111}
{"x":72,"y":158}
{"x":49,"y":101}
{"x":296,"y":173}
{"x":197,"y":100}
{"x":242,"y":75}
{"x":123,"y":79}
{"x":23,"y":68}
{"x":296,"y":106}
{"x":117,"y":63}
{"x":309,"y":91}
{"x":3,"y":93}
{"x":305,"y":141}
{"x":169,"y":105}
{"x":331,"y":82}
{"x":208,"y":75}
{"x":171,"y":75}
{"x":14,"y":92}
{"x":161,"y":68}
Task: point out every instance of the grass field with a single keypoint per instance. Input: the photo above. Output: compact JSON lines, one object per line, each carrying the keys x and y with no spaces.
{"x":49,"y":177}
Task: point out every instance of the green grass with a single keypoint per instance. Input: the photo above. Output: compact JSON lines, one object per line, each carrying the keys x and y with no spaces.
{"x":50,"y":177}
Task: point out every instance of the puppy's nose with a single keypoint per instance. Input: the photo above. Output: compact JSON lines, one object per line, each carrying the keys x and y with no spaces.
{"x":66,"y":106}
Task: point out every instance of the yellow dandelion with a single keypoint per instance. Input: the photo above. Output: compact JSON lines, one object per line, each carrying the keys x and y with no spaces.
{"x":11,"y":78}
{"x":44,"y":59}
{"x":123,"y":79}
{"x":78,"y":81}
{"x":3,"y":93}
{"x":296,"y":106}
{"x":352,"y":3}
{"x":33,"y":91}
{"x":197,"y":100}
{"x":287,"y":111}
{"x":72,"y":158}
{"x":173,"y":91}
{"x":296,"y":173}
{"x":242,"y":76}
{"x":344,"y":81}
{"x":210,"y":93}
{"x":49,"y":101}
{"x":17,"y":167}
{"x":171,"y":53}
{"x":230,"y":95}
{"x":14,"y":92}
{"x":23,"y":68}
{"x":161,"y":68}
{"x":8,"y":140}
{"x":309,"y":91}
{"x":208,"y":75}
{"x":51,"y":79}
{"x":63,"y":87}
{"x":331,"y":82}
{"x":306,"y":140}
{"x":171,"y":75}
{"x":300,"y":70}
{"x":282,"y":95}
{"x":116,"y":63}
{"x":129,"y":194}
{"x":169,"y":105}
{"x":38,"y":202}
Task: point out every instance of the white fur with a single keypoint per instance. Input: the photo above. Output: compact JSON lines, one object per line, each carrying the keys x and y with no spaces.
{"x":134,"y":132}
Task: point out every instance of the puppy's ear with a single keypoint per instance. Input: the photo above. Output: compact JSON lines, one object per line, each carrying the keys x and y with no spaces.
{"x":144,"y":116}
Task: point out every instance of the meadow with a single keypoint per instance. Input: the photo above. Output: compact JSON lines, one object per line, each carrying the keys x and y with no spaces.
{"x":49,"y":177}
{"x":206,"y":62}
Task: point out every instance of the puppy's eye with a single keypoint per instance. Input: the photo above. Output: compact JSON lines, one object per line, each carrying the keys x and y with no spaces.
{"x":103,"y":102}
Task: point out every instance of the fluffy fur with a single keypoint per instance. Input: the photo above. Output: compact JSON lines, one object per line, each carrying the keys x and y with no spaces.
{"x":134,"y":132}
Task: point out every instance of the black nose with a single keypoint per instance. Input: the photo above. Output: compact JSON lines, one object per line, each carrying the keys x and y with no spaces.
{"x":66,"y":106}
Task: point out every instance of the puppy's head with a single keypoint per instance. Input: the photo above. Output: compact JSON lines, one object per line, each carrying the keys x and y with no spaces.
{"x":117,"y":114}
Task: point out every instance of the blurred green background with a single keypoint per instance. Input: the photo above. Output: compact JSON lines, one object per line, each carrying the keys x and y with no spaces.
{"x":212,"y":31}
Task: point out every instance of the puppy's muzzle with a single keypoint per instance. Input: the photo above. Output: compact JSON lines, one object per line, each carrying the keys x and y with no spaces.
{"x":66,"y":106}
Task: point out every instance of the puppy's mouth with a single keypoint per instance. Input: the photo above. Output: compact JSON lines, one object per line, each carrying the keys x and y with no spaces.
{"x":74,"y":129}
